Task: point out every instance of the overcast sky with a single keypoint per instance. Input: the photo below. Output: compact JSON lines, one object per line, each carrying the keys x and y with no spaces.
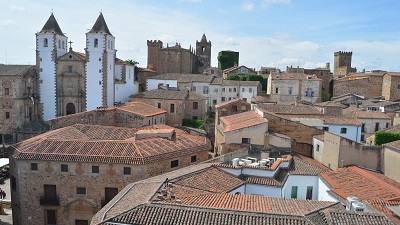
{"x":277,"y":33}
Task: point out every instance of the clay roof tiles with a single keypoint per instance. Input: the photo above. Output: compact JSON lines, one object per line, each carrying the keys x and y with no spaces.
{"x":141,"y":109}
{"x":163,"y":94}
{"x":100,"y":26}
{"x":289,"y":109}
{"x":15,"y":69}
{"x":242,"y":120}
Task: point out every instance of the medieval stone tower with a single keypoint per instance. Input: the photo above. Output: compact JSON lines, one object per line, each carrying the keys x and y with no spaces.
{"x":50,"y":44}
{"x":342,"y":64}
{"x":100,"y":56}
{"x":203,"y":52}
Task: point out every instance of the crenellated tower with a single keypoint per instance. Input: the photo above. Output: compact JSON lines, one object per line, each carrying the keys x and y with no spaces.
{"x":342,"y":63}
{"x":50,"y":44}
{"x":100,"y":55}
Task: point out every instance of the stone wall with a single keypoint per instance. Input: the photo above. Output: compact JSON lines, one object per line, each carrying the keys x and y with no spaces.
{"x":30,"y":186}
{"x":104,"y":117}
{"x":199,"y":112}
{"x":391,"y":165}
{"x":368,"y":86}
{"x":390,"y":90}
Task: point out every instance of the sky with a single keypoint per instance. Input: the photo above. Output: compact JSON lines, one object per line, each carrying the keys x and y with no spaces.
{"x":276,"y":33}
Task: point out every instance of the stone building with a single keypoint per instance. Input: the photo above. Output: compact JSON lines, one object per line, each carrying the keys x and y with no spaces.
{"x":239,"y":70}
{"x":323,"y":73}
{"x":143,"y":74}
{"x":391,"y":86}
{"x":66,"y":175}
{"x":131,"y":115}
{"x":342,"y":64}
{"x":293,"y":87}
{"x":179,"y":104}
{"x":368,"y":85}
{"x":176,"y":59}
{"x":19,"y":102}
{"x":64,"y":75}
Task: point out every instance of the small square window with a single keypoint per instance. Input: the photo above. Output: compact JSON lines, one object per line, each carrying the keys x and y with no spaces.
{"x":159,"y":105}
{"x":34,"y":166}
{"x":343,"y":130}
{"x":127,"y":171}
{"x":70,"y":69}
{"x":317,"y":148}
{"x":6,"y":91}
{"x":174,"y":163}
{"x":95,"y":169}
{"x":195,"y":105}
{"x":223,"y":89}
{"x":193,"y":158}
{"x":64,"y":168}
{"x":7,"y":115}
{"x":222,"y":99}
{"x":214,"y":102}
{"x":246,"y":140}
{"x":172,"y":108}
{"x":250,"y":90}
{"x":81,"y":190}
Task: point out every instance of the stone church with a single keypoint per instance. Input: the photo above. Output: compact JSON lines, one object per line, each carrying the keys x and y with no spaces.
{"x":176,"y":59}
{"x":72,"y":82}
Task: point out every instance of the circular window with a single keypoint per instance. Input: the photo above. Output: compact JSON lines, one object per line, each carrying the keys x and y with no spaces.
{"x":70,"y":56}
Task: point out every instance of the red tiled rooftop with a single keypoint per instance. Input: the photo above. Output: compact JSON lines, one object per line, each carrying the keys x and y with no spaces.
{"x":91,"y":143}
{"x":141,"y":109}
{"x":242,"y":120}
{"x":228,"y":103}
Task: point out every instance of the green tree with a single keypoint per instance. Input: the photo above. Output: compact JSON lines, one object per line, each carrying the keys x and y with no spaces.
{"x":383,"y":137}
{"x":326,"y":96}
{"x":233,"y":76}
{"x":132,"y":62}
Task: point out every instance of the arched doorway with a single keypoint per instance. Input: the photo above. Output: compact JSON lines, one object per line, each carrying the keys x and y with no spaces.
{"x":70,"y":109}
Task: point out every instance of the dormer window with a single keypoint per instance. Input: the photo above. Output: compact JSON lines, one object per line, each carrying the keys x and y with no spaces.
{"x":45,"y":42}
{"x":96,"y":42}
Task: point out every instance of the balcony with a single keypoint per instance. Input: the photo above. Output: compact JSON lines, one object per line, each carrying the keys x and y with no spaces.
{"x":50,"y":200}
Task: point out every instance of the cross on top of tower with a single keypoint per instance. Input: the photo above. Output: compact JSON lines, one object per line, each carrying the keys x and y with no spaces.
{"x":70,"y":44}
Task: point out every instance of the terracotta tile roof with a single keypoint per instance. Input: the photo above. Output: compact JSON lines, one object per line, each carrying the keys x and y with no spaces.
{"x":328,"y":104}
{"x":195,"y":96}
{"x":228,"y":103}
{"x":242,"y":120}
{"x":15,"y":69}
{"x":370,"y":187}
{"x":189,"y":78}
{"x":393,"y":129}
{"x":146,"y":70}
{"x":257,"y":203}
{"x":91,"y":143}
{"x":178,"y":214}
{"x":217,"y":81}
{"x":306,"y":166}
{"x":239,"y":83}
{"x":289,"y":109}
{"x":340,"y":120}
{"x":393,"y":74}
{"x":52,"y":26}
{"x":354,"y":112}
{"x":142,"y":109}
{"x":261,"y":99}
{"x":163,"y":94}
{"x":320,"y":137}
{"x":394,"y":144}
{"x":278,"y":181}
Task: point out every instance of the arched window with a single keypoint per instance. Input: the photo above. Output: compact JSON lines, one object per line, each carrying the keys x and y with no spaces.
{"x":45,"y":42}
{"x":96,"y":42}
{"x":203,"y":49}
{"x":70,"y":108}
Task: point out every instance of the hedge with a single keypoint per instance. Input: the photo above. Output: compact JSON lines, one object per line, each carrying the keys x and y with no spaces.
{"x":383,"y":137}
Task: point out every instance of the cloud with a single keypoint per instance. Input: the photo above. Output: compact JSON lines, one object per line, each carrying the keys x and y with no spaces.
{"x":248,"y":6}
{"x":17,"y":8}
{"x":229,"y":41}
{"x":288,"y":61}
{"x":6,"y":23}
{"x":267,"y":3}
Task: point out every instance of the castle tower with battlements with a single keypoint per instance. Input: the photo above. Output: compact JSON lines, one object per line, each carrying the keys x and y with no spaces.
{"x":342,"y":64}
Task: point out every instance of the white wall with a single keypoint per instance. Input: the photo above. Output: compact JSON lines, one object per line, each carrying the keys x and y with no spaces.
{"x":318,"y":155}
{"x":123,"y":91}
{"x":249,"y":95}
{"x":301,"y":182}
{"x":323,"y":194}
{"x":256,"y":189}
{"x":353,"y":132}
{"x":152,"y":84}
{"x":47,"y":76}
{"x":94,"y":72}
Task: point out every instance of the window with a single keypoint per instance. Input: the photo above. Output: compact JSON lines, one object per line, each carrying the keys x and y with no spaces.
{"x":309,"y":192}
{"x":81,"y":222}
{"x":193,"y":158}
{"x":95,"y":169}
{"x":242,"y":89}
{"x":290,"y":90}
{"x":230,"y":89}
{"x":398,"y":86}
{"x":99,"y":70}
{"x":245,"y":140}
{"x":195,"y":105}
{"x":229,"y":98}
{"x":194,"y":117}
{"x":6,"y":91}
{"x":64,"y":168}
{"x":127,"y":171}
{"x":387,"y":125}
{"x":174,"y":163}
{"x":110,"y":193}
{"x":343,"y":130}
{"x":81,"y":190}
{"x":45,"y":42}
{"x":223,"y":89}
{"x":362,"y":137}
{"x":234,"y":89}
{"x":193,"y":88}
{"x":325,"y":128}
{"x":99,"y":59}
{"x":293,"y":194}
{"x":99,"y":82}
{"x":214,"y":102}
{"x":63,"y":45}
{"x":205,"y":90}
{"x":159,"y":105}
{"x":70,"y":69}
{"x":363,"y":127}
{"x":245,"y":99}
{"x":317,"y":148}
{"x":96,"y":42}
{"x":7,"y":115}
{"x":250,"y":90}
{"x":376,"y":126}
{"x":309,"y":92}
{"x":34,"y":166}
{"x":234,"y":108}
{"x":222,"y":99}
{"x":51,"y":218}
{"x":276,"y":90}
{"x":59,"y":43}
{"x":172,"y":108}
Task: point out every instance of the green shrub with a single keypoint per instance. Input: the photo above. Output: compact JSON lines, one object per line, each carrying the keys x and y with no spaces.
{"x":199,"y":124}
{"x":383,"y":137}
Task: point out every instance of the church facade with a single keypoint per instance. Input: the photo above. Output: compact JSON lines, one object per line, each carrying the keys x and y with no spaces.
{"x":72,"y":82}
